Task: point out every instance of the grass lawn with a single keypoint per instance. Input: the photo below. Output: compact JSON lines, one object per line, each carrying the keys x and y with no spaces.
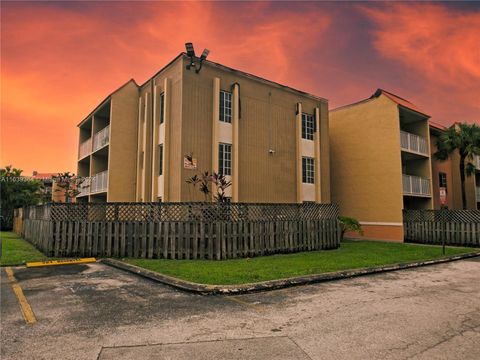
{"x":351,"y":255}
{"x":17,"y":251}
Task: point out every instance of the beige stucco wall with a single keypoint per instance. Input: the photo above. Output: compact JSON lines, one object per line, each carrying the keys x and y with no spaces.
{"x":123,"y":144}
{"x":267,"y":122}
{"x":365,"y":153}
{"x":152,"y":90}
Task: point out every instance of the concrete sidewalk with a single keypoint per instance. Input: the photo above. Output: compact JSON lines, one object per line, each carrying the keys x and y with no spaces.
{"x":97,"y":312}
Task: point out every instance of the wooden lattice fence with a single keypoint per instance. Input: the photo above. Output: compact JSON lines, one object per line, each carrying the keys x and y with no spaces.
{"x":452,"y":227}
{"x":180,"y":230}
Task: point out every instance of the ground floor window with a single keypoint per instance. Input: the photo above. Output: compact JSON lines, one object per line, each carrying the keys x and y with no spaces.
{"x":225,"y":159}
{"x":308,"y":170}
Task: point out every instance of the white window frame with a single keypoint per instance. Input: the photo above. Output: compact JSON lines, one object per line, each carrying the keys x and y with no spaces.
{"x":225,"y":159}
{"x":308,"y":170}
{"x":162,"y":107}
{"x":308,"y":126}
{"x":160,"y":159}
{"x":225,"y":106}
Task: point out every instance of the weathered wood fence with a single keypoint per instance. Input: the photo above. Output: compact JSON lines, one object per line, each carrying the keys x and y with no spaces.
{"x":454,"y":227}
{"x":180,"y":230}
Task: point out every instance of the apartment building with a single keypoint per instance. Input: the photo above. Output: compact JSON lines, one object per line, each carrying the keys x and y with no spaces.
{"x":447,"y":186}
{"x":142,"y":142}
{"x":381,"y":150}
{"x":447,"y":191}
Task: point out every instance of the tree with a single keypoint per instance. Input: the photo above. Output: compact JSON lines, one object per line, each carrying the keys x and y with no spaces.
{"x":349,"y":224}
{"x":465,"y":139}
{"x":206,"y":180}
{"x":16,"y":191}
{"x":68,"y":184}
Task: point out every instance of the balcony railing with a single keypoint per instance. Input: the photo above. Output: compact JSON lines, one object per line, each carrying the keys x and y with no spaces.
{"x":101,"y":138}
{"x":95,"y":184}
{"x":413,"y":143}
{"x":415,"y":185}
{"x":99,"y":182}
{"x":476,"y":161}
{"x":85,"y":148}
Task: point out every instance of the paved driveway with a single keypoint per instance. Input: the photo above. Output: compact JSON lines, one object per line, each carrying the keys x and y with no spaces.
{"x":97,"y":312}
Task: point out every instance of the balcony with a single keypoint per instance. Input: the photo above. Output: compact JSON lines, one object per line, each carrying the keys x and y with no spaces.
{"x":416,"y":186}
{"x":99,"y":182}
{"x":413,"y":143}
{"x":96,"y":184}
{"x":101,"y":138}
{"x":85,"y":148}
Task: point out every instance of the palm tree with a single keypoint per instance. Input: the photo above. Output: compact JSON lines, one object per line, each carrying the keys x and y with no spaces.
{"x":466,"y":139}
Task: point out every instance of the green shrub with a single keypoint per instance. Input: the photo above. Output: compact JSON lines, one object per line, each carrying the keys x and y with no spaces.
{"x":349,"y":224}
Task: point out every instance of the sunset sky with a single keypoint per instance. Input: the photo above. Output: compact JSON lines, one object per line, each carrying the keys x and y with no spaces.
{"x":60,"y":59}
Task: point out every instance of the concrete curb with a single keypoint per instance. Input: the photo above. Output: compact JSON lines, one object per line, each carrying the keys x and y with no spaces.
{"x":204,"y":289}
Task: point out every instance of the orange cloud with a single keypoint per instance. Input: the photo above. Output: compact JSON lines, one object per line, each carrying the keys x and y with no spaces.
{"x":441,"y":46}
{"x":60,"y":60}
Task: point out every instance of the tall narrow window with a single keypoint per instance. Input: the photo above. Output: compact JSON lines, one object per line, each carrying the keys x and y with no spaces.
{"x":442,"y":177}
{"x":308,"y":170}
{"x":225,"y":106}
{"x":160,"y":159}
{"x":162,"y":107}
{"x":225,"y":159}
{"x":308,"y":126}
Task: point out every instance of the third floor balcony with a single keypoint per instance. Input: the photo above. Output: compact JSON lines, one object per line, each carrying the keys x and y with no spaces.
{"x":85,"y":148}
{"x":413,"y":143}
{"x":101,"y":138}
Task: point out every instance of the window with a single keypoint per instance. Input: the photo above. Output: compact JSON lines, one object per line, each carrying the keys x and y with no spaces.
{"x":308,"y":126}
{"x":225,"y":159}
{"x":160,"y":159}
{"x":308,"y":170}
{"x":442,"y":177}
{"x":225,"y":106}
{"x":162,"y":107}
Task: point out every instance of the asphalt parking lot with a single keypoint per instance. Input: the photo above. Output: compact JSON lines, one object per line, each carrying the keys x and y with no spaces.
{"x":93,"y":311}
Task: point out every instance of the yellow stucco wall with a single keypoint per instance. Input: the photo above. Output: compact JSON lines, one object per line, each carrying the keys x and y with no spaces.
{"x":123,"y":144}
{"x":365,"y":153}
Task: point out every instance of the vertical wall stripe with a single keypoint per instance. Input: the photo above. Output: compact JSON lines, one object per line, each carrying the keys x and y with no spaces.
{"x":139,"y":151}
{"x":318,"y":170}
{"x":298,"y":148}
{"x":325,"y":153}
{"x":235,"y":152}
{"x":215,"y":120}
{"x":167,"y":90}
{"x":155,"y":130}
{"x":144,"y":149}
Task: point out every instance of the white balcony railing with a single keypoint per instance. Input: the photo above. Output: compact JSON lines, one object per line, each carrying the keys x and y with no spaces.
{"x":85,"y":148}
{"x":413,"y":143}
{"x":101,"y":138}
{"x":415,"y":185}
{"x":476,"y":161}
{"x":84,"y":187}
{"x":99,"y":182}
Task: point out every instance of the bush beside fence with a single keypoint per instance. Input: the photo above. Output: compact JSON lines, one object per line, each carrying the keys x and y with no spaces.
{"x":180,"y":230}
{"x":452,"y":227}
